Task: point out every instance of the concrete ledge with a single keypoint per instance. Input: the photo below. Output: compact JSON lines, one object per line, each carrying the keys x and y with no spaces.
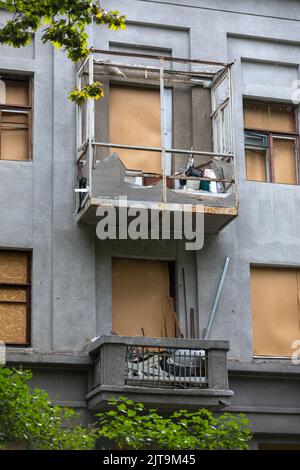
{"x":264,"y":366}
{"x":174,"y":343}
{"x":26,"y":356}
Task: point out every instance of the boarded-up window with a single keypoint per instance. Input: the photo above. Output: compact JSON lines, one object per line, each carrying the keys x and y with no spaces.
{"x":284,"y":161}
{"x":269,"y":117}
{"x":271,"y":142}
{"x":256,"y":165}
{"x":134,"y":119}
{"x":14,"y":297}
{"x":141,"y":298}
{"x":275,"y":294}
{"x":15,"y":119}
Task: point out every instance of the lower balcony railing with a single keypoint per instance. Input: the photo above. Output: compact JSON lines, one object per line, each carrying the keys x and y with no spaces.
{"x":162,"y":371}
{"x":165,"y":367}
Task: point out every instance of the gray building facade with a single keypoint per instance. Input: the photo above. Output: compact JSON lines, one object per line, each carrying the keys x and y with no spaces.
{"x":71,"y":269}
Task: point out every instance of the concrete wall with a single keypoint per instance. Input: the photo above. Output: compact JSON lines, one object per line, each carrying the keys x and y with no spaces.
{"x":71,"y":298}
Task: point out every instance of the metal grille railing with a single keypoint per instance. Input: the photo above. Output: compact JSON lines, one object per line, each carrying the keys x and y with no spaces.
{"x":166,"y":368}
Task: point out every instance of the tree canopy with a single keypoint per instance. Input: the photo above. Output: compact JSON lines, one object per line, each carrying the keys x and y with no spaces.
{"x":63,"y":23}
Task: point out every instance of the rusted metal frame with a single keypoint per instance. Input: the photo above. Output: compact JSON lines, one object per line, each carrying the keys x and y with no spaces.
{"x":149,"y":68}
{"x":158,"y":57}
{"x":142,"y":81}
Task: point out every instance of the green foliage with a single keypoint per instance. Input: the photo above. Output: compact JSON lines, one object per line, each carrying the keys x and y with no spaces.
{"x":129,"y":424}
{"x":63,"y":24}
{"x":94,"y":91}
{"x":27,"y":417}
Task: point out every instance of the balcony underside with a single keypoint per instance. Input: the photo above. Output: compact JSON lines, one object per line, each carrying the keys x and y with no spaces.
{"x":160,"y":398}
{"x":215,"y":218}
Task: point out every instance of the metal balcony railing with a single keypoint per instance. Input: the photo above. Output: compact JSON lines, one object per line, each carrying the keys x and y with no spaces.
{"x":166,"y":368}
{"x":166,"y":363}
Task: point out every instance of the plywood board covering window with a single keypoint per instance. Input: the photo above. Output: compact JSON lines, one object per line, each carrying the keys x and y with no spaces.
{"x":14,"y":297}
{"x":17,"y":93}
{"x":275,"y":294}
{"x":15,"y":119}
{"x":140,"y":291}
{"x":269,"y":117}
{"x":134,"y":119}
{"x":14,"y":136}
{"x":275,"y":126}
{"x":256,"y":165}
{"x":284,"y":161}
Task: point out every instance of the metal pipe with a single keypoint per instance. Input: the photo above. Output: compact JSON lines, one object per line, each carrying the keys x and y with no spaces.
{"x":162,"y":130}
{"x":90,"y":118}
{"x":159,"y":149}
{"x":232,"y":137}
{"x":82,"y":65}
{"x":217,"y":299}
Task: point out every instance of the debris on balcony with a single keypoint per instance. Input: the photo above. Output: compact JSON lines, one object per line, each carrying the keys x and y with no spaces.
{"x":160,"y":134}
{"x":166,"y":368}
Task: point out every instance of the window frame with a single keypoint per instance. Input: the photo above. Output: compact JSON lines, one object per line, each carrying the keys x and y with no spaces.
{"x":26,"y":286}
{"x":28,"y":109}
{"x":271,"y":135}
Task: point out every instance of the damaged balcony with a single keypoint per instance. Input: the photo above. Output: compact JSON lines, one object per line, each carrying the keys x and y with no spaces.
{"x":162,"y":372}
{"x":161,"y":135}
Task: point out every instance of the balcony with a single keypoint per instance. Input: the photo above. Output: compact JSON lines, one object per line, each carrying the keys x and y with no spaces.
{"x":162,"y":137}
{"x":168,"y":373}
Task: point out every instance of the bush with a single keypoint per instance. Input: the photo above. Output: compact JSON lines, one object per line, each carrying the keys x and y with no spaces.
{"x":129,"y":424}
{"x":28,"y":418}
